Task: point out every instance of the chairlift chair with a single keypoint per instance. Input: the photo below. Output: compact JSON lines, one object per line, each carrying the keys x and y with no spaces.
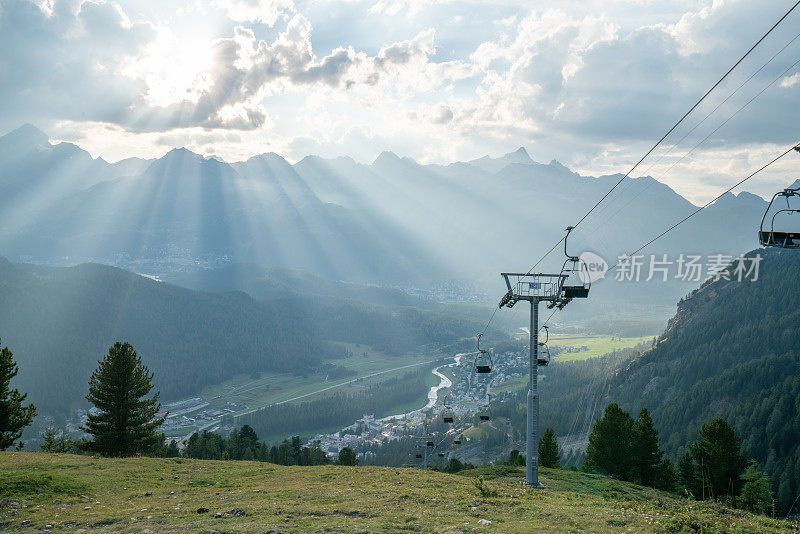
{"x":543,"y":355}
{"x":418,"y":453}
{"x":484,"y":411}
{"x":429,"y":441}
{"x":483,"y":360}
{"x":447,"y":416}
{"x":457,"y":440}
{"x":574,"y":280}
{"x":769,"y":236}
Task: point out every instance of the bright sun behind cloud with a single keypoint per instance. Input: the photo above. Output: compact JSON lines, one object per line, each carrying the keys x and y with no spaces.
{"x":175,"y":67}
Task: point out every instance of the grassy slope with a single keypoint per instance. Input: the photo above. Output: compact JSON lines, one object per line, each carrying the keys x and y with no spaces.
{"x":109,"y":495}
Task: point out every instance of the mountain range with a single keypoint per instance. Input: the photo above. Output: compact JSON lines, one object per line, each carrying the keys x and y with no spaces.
{"x":393,"y":222}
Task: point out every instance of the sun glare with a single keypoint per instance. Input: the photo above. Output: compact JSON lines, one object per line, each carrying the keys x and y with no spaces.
{"x":174,"y":67}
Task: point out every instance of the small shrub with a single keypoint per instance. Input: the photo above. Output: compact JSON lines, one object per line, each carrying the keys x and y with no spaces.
{"x":483,"y":490}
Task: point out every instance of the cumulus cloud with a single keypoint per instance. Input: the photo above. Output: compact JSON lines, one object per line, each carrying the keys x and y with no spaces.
{"x":245,"y":70}
{"x":588,"y":82}
{"x":264,"y":11}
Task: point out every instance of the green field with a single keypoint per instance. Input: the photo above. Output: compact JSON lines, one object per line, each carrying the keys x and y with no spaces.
{"x":515,"y":384}
{"x":69,"y":493}
{"x":597,"y":345}
{"x":270,"y":388}
{"x":370,"y":366}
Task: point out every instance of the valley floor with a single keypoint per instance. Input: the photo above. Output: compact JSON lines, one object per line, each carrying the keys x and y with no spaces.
{"x":69,"y":493}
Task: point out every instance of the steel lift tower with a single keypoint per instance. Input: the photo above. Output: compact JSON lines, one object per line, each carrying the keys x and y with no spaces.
{"x":557,"y":290}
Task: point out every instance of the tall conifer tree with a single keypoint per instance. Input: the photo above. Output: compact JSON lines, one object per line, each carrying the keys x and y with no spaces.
{"x":610,"y":443}
{"x":646,"y":455}
{"x":549,"y":455}
{"x":126,"y":423}
{"x":718,"y":459}
{"x":14,"y":417}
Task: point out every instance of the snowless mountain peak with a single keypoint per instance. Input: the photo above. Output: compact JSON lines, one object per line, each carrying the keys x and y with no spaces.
{"x":493,"y":165}
{"x":27,"y":135}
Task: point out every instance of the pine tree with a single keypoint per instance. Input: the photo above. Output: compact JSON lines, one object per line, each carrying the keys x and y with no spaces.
{"x":55,"y":441}
{"x":247,"y":438}
{"x":14,"y":417}
{"x":756,"y":495}
{"x":719,"y":461}
{"x":646,"y":455}
{"x":172,"y":450}
{"x":549,"y":454}
{"x":609,"y":443}
{"x":668,"y":477}
{"x":347,"y":457}
{"x":126,"y":423}
{"x":232,"y":446}
{"x":687,"y":471}
{"x":515,"y":458}
{"x":785,"y":496}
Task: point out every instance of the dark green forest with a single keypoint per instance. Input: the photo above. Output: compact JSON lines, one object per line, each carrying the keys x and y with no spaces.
{"x":60,"y":321}
{"x":243,"y":444}
{"x":731,"y":351}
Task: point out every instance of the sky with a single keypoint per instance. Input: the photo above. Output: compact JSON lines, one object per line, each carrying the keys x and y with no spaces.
{"x":592,"y":84}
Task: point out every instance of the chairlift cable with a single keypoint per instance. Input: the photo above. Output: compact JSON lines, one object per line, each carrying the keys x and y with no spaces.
{"x":724,"y":76}
{"x":658,"y":143}
{"x":675,"y":145}
{"x":690,"y":111}
{"x":695,"y":147}
{"x":704,"y":206}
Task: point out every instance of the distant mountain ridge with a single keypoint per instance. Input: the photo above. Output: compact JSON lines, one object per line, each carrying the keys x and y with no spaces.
{"x":493,"y":165}
{"x":392,"y":222}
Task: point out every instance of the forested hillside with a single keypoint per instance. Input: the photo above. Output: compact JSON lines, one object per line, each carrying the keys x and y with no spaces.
{"x":271,"y":282}
{"x":60,"y":321}
{"x":731,"y":351}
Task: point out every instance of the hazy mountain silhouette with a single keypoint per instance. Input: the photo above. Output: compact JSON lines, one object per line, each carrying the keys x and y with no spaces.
{"x":393,"y":221}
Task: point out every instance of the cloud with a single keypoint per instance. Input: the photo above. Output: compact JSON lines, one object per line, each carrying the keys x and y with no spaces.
{"x":264,"y":11}
{"x":591,"y":83}
{"x":60,"y":60}
{"x":244,"y":71}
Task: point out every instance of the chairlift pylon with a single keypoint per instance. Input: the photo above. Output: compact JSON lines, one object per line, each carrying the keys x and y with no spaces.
{"x":787,"y":236}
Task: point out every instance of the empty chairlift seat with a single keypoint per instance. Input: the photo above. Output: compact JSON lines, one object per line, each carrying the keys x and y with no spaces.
{"x":780,"y":227}
{"x":543,"y":354}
